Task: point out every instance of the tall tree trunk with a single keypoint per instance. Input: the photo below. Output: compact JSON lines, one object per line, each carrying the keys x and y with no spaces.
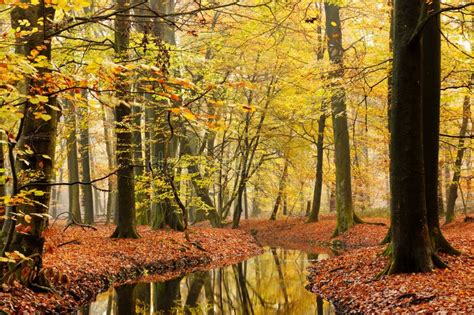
{"x":411,"y":247}
{"x":84,"y":149}
{"x":109,"y":149}
{"x":37,"y":135}
{"x":73,"y":167}
{"x":431,"y":93}
{"x":440,"y":193}
{"x":201,"y":191}
{"x":318,"y":184}
{"x":2,"y":167}
{"x":453,"y":186}
{"x":281,"y":188}
{"x":344,"y":207}
{"x":126,"y":187}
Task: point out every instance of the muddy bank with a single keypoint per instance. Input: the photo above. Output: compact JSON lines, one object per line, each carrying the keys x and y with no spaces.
{"x":82,"y":263}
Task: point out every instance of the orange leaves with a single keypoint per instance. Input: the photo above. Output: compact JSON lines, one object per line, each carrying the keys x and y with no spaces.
{"x":185,"y":112}
{"x":86,"y":261}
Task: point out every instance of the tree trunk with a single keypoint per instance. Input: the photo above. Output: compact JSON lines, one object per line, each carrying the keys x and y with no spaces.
{"x":411,"y":247}
{"x":37,"y":135}
{"x":431,"y":94}
{"x":73,"y":167}
{"x":111,"y":163}
{"x":126,"y":188}
{"x":84,"y":148}
{"x":344,"y":208}
{"x":281,"y":188}
{"x":453,"y":186}
{"x":318,"y":184}
{"x":2,"y":168}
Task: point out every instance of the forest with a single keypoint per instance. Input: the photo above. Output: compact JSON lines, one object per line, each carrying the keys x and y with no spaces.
{"x":236,"y":156}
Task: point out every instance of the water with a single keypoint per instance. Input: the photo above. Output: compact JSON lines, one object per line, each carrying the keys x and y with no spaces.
{"x":272,"y":283}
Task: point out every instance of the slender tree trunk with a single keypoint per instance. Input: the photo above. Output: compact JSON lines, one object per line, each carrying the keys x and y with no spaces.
{"x":84,"y":148}
{"x":281,"y":188}
{"x":318,"y":184}
{"x":440,"y":193}
{"x":453,"y":186}
{"x":411,"y":247}
{"x":344,"y":207}
{"x":73,"y":167}
{"x":126,"y":187}
{"x":2,"y":168}
{"x":109,"y":149}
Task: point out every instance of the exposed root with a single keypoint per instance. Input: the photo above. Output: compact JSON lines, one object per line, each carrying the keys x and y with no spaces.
{"x":438,"y":262}
{"x":441,"y":244}
{"x":358,"y":220}
{"x":388,"y":237}
{"x":129,"y":233}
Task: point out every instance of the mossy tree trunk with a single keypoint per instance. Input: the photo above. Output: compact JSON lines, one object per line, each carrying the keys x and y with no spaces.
{"x":126,"y":187}
{"x":72,"y":165}
{"x":344,"y":207}
{"x":84,"y":148}
{"x":37,"y":139}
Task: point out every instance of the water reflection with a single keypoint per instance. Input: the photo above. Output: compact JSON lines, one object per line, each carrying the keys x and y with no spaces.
{"x":272,"y":283}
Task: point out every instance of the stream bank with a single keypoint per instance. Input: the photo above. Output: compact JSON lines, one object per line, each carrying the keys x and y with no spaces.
{"x":82,"y":263}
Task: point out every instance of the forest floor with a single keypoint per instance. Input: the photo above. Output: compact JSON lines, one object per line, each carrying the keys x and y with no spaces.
{"x":349,"y":279}
{"x":82,"y":263}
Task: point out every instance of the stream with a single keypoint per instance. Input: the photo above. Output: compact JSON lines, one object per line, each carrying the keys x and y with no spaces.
{"x":271,"y":283}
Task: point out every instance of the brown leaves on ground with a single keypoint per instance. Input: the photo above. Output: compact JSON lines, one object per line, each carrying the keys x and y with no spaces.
{"x":295,"y":233}
{"x":349,"y":280}
{"x":91,"y":261}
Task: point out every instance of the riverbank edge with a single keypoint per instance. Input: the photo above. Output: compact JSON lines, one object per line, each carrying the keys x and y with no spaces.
{"x":199,"y":255}
{"x":348,"y":280}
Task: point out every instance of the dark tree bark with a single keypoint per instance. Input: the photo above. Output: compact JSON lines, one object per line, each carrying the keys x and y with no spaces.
{"x":37,"y":135}
{"x":126,"y":188}
{"x":73,"y":167}
{"x":453,"y":186}
{"x":411,"y":246}
{"x":84,"y":148}
{"x":431,"y":85}
{"x":344,"y":207}
{"x":318,"y":184}
{"x":125,"y":300}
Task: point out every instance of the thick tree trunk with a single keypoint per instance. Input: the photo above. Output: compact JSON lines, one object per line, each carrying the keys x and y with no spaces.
{"x":344,"y":207}
{"x":84,"y":148}
{"x":431,"y":94}
{"x":411,"y":247}
{"x":37,"y":135}
{"x":73,"y":167}
{"x":126,"y":187}
{"x":453,"y":186}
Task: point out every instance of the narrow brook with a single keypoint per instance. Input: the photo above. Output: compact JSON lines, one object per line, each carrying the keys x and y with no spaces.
{"x":271,"y":283}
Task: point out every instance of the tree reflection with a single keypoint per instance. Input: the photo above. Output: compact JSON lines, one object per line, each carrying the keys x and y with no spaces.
{"x":272,"y":283}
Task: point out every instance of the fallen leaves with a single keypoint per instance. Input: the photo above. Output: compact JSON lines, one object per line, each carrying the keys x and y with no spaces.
{"x":92,"y":261}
